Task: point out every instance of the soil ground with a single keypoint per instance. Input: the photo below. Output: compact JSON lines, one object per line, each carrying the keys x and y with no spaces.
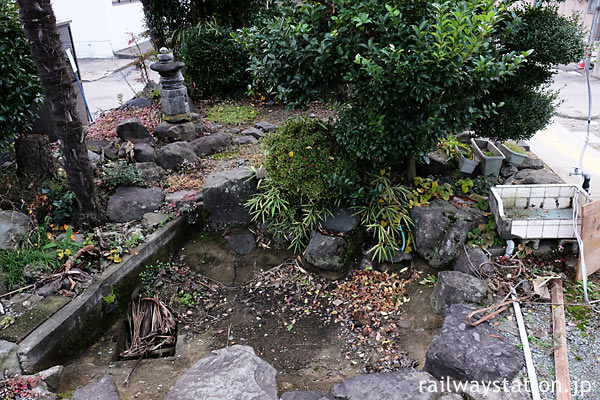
{"x":314,"y":352}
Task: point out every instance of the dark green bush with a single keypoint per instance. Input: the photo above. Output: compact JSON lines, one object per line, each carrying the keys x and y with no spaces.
{"x":303,"y":158}
{"x":166,"y":18}
{"x":19,"y":83}
{"x":523,"y":114}
{"x":528,"y":103}
{"x":215,"y":63}
{"x":409,"y":70}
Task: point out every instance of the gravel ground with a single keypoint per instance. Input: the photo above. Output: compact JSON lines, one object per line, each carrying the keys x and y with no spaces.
{"x":583,"y":344}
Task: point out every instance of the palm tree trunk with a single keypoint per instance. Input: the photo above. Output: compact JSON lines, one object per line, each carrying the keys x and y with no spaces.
{"x":39,"y":24}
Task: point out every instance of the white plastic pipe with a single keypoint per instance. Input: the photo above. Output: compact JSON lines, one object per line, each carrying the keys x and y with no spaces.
{"x":535,"y":390}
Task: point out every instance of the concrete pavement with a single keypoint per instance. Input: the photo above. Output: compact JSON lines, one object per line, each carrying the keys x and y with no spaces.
{"x":560,"y":144}
{"x":103,"y":92}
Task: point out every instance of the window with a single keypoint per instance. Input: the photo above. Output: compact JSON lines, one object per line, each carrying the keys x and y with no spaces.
{"x":592,"y":6}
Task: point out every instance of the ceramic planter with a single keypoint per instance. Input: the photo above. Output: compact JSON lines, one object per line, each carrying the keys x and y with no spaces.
{"x":512,"y":157}
{"x":490,"y":165}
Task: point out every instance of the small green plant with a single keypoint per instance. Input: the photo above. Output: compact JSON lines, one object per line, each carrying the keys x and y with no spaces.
{"x":111,"y":298}
{"x":485,"y":235}
{"x":189,"y":300}
{"x":61,"y":203}
{"x":154,"y":95}
{"x":482,"y":184}
{"x":232,"y":114}
{"x":538,"y":342}
{"x":451,"y":145}
{"x":429,"y":280}
{"x":120,"y":173}
{"x":465,"y":185}
{"x":120,"y":98}
{"x":427,"y":189}
{"x":384,"y":212}
{"x":150,"y":274}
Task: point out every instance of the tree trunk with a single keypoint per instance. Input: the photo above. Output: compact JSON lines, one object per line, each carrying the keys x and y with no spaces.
{"x":39,"y":24}
{"x":156,"y":37}
{"x":33,"y":156}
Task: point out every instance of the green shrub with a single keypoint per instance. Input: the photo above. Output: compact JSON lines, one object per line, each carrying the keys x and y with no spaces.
{"x":165,"y":18}
{"x":19,"y":83}
{"x":215,"y":63}
{"x":303,"y":157}
{"x":412,"y":70}
{"x":523,"y":113}
{"x":120,"y":173}
{"x":528,"y":104}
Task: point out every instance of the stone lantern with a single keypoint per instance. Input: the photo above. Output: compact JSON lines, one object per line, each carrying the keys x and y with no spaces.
{"x":174,"y":99}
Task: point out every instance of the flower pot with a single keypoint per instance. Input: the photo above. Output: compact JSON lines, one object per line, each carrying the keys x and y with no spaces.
{"x":512,"y":157}
{"x":490,"y":165}
{"x":464,"y":164}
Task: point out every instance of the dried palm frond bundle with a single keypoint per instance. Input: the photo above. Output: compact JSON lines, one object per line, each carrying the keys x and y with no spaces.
{"x":151,"y":327}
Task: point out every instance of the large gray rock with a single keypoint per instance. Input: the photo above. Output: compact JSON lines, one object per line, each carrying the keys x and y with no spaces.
{"x":536,"y":177}
{"x":241,"y":140}
{"x":402,"y":384}
{"x":150,"y":172}
{"x":256,"y":133}
{"x":13,"y":225}
{"x":143,"y":152}
{"x":441,"y":231}
{"x":52,"y":376}
{"x":331,"y":253}
{"x":185,"y":131}
{"x":152,"y":219}
{"x":224,"y":195}
{"x":466,"y":353}
{"x":453,"y":287}
{"x":173,"y":155}
{"x":531,"y":163}
{"x":234,"y":372}
{"x":343,"y":220}
{"x":103,"y":147}
{"x":266,"y":126}
{"x":9,"y":361}
{"x":129,"y":203}
{"x":474,"y":261}
{"x":138,"y":102}
{"x":300,"y":395}
{"x":241,"y":242}
{"x":102,"y":389}
{"x":215,"y":143}
{"x":132,"y":130}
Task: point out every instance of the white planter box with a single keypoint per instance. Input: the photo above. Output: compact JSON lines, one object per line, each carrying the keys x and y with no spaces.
{"x":536,"y":211}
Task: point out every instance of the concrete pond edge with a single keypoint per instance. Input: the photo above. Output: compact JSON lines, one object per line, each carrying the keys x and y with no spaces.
{"x":83,"y":318}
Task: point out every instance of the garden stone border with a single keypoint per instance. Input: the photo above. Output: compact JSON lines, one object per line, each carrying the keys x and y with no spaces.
{"x":81,"y":320}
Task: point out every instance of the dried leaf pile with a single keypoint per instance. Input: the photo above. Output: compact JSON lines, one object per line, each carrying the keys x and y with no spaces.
{"x":366,"y":304}
{"x":104,"y":128}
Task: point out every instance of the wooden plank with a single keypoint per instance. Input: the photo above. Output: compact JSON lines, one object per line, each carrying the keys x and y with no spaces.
{"x":561,"y":359}
{"x":590,"y":234}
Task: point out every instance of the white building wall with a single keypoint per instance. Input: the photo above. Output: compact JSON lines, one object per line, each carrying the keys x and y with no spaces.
{"x":99,"y":27}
